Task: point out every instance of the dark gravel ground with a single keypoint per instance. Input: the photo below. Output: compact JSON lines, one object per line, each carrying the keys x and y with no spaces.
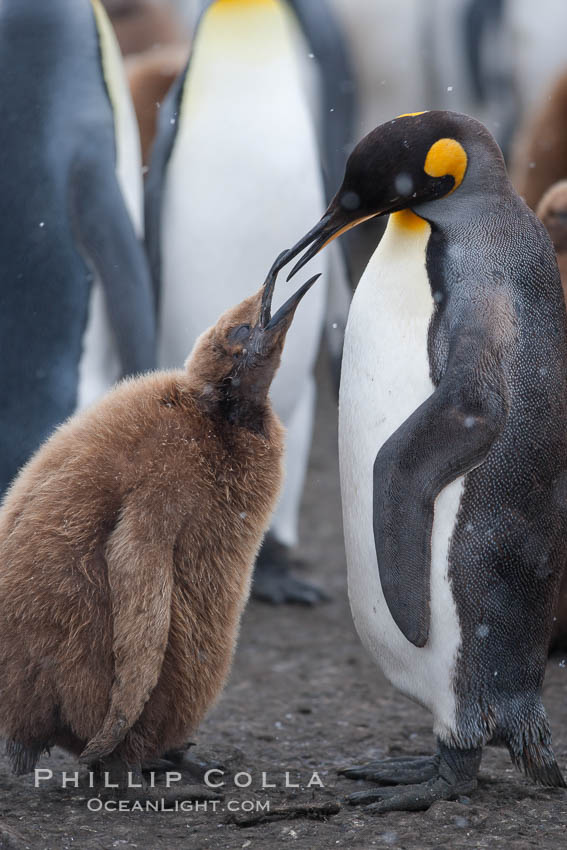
{"x":304,"y":697}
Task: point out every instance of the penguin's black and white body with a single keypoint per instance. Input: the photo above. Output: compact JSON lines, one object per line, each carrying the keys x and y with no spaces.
{"x":76,"y":307}
{"x":453,"y":445}
{"x":235,"y":168}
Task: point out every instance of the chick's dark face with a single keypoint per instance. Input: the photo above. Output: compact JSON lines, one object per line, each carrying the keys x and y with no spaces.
{"x":248,"y":336}
{"x":411,"y":160}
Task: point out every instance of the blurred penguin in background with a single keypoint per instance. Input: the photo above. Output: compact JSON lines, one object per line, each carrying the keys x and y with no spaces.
{"x":235,"y":168}
{"x":540,"y":153}
{"x":552,"y":210}
{"x":154,"y":40}
{"x":329,"y":74}
{"x":538,"y":149}
{"x":141,"y":25}
{"x":76,"y":309}
{"x":151,"y":75}
{"x":492,"y":59}
{"x":411,"y":56}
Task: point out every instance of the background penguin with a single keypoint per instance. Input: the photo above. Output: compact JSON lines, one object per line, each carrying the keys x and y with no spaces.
{"x":141,"y":25}
{"x":235,"y":169}
{"x":540,"y":153}
{"x":126,"y":550}
{"x":76,"y":307}
{"x":453,"y":446}
{"x":151,"y":75}
{"x":153,"y":38}
{"x":552,"y":210}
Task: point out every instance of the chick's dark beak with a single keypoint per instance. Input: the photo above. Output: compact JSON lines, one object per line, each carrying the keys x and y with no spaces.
{"x":268,"y":294}
{"x":283,"y":317}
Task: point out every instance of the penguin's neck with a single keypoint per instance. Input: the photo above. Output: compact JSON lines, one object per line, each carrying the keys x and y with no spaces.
{"x":243,"y":51}
{"x":243,"y":412}
{"x":250,"y":34}
{"x":240,"y":399}
{"x":397,"y":273}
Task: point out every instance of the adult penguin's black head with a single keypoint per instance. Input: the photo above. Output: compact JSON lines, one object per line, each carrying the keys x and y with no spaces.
{"x":413,"y":162}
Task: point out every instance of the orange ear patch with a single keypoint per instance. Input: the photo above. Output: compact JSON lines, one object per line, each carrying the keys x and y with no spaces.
{"x":447,"y":156}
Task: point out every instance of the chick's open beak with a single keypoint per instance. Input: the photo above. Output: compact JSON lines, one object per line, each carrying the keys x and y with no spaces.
{"x":285,"y":313}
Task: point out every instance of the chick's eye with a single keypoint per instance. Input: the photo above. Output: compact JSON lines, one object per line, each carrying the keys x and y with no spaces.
{"x":240,"y":333}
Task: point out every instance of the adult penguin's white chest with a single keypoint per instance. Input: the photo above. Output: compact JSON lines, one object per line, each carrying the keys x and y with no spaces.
{"x":385,"y":377}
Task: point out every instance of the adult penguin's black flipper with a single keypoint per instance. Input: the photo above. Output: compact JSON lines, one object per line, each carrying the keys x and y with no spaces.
{"x":117,"y":256}
{"x":446,"y":437}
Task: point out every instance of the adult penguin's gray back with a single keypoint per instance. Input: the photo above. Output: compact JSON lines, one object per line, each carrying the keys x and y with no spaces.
{"x":76,"y":306}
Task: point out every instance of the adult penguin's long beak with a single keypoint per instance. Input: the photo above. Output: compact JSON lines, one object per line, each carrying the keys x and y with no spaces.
{"x":334,"y":222}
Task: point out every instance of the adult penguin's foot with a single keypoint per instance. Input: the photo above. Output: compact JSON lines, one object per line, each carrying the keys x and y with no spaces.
{"x":273,"y":581}
{"x":405,"y":770}
{"x":414,"y":784}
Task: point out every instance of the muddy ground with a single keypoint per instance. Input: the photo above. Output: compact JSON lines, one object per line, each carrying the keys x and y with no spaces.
{"x":304,"y":697}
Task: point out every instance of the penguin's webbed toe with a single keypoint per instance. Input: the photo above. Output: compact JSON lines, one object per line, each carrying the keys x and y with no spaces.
{"x":410,"y":798}
{"x":416,"y":783}
{"x":395,"y":771}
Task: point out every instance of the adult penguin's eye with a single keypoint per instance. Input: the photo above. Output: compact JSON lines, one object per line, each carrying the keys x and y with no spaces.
{"x":240,"y":333}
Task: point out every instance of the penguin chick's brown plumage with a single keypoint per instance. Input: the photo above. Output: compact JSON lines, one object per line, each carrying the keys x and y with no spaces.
{"x":151,"y":75}
{"x":144,"y":24}
{"x":539,"y":157}
{"x":126,"y":550}
{"x":552,"y":210}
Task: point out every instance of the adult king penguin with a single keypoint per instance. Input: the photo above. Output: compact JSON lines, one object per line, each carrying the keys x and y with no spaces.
{"x":453,"y":447}
{"x":76,"y":306}
{"x":235,"y":167}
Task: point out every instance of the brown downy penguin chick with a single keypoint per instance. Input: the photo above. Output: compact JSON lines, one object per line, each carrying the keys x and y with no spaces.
{"x":126,"y":551}
{"x":552,"y":210}
{"x":539,"y":158}
{"x":155,"y":43}
{"x":151,"y":75}
{"x":144,"y":24}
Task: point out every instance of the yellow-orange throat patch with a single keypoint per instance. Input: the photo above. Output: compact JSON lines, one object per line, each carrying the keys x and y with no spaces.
{"x":446,"y":157}
{"x":408,"y":220}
